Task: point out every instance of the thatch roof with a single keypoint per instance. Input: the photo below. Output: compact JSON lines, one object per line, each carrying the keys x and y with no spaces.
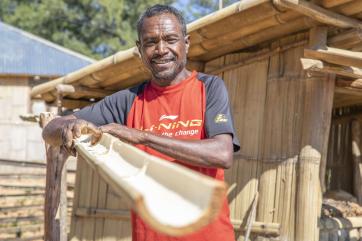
{"x":243,"y":25}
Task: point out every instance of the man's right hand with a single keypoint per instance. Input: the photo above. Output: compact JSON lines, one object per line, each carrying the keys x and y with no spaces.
{"x":75,"y":128}
{"x":63,"y":130}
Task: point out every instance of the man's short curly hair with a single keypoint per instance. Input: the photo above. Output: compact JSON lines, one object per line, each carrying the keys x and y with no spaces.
{"x":159,"y":9}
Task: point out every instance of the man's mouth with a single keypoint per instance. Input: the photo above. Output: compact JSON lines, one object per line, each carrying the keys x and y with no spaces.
{"x":162,"y":61}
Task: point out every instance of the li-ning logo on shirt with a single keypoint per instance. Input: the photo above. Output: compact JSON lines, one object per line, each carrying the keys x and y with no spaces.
{"x":168,"y":117}
{"x":220,"y":118}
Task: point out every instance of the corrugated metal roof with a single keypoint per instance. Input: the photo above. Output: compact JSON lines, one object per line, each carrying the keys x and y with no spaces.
{"x":25,"y":54}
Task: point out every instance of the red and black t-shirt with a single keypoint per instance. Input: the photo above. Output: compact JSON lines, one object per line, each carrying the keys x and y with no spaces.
{"x":194,"y":109}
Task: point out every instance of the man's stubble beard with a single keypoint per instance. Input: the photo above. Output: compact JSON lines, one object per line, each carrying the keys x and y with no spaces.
{"x":168,"y":77}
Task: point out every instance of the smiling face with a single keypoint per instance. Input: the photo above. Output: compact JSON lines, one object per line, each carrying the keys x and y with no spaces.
{"x":163,"y":49}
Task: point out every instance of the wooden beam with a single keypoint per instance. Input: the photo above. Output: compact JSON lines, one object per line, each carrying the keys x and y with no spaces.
{"x":320,"y":66}
{"x":335,"y":56}
{"x":136,"y":176}
{"x":320,"y":14}
{"x":70,"y":90}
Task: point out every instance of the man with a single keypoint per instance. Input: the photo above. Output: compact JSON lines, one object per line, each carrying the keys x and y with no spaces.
{"x":180,"y":116}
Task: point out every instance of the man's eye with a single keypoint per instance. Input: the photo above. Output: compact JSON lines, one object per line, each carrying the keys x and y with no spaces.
{"x":150,"y":43}
{"x":172,"y":40}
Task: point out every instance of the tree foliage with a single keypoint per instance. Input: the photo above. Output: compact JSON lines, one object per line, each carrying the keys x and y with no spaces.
{"x":96,"y":28}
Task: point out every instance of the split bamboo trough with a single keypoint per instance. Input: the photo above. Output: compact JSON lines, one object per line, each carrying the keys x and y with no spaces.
{"x":170,"y":198}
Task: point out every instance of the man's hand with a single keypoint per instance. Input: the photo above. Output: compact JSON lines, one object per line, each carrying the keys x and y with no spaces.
{"x":75,"y":128}
{"x":63,"y":130}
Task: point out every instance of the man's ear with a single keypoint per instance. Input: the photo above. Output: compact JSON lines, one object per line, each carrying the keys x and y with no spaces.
{"x":138,"y":44}
{"x":187,"y":43}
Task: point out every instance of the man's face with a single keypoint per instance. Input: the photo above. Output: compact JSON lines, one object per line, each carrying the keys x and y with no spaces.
{"x":163,"y":47}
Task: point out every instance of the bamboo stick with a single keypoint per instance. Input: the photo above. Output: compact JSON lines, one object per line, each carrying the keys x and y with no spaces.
{"x":320,"y":14}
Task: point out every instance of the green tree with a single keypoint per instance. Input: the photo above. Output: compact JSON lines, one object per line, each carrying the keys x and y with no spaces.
{"x":96,"y":28}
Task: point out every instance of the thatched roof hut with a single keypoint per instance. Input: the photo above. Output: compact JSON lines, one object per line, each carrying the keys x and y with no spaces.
{"x":293,"y":70}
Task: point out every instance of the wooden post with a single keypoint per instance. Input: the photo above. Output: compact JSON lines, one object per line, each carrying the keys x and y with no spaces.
{"x":55,"y":161}
{"x":316,"y":125}
{"x":356,"y":153}
{"x":63,"y":203}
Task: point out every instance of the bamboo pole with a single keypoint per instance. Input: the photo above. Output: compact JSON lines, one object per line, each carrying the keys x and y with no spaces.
{"x":320,"y":66}
{"x":320,"y":14}
{"x":333,"y":3}
{"x":350,"y":8}
{"x":336,"y":56}
{"x":346,"y":40}
{"x":318,"y":102}
{"x":357,"y":162}
{"x":307,"y":207}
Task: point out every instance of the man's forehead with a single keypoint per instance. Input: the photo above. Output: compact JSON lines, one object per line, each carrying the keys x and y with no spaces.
{"x":161,"y":22}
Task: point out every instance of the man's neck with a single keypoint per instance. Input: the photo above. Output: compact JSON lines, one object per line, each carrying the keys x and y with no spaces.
{"x":184,"y":74}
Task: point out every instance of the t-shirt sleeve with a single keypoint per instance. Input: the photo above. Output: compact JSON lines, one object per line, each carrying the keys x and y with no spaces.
{"x":111,"y":109}
{"x":218,"y":116}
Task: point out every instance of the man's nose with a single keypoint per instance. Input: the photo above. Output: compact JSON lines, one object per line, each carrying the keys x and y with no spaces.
{"x":161,"y":47}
